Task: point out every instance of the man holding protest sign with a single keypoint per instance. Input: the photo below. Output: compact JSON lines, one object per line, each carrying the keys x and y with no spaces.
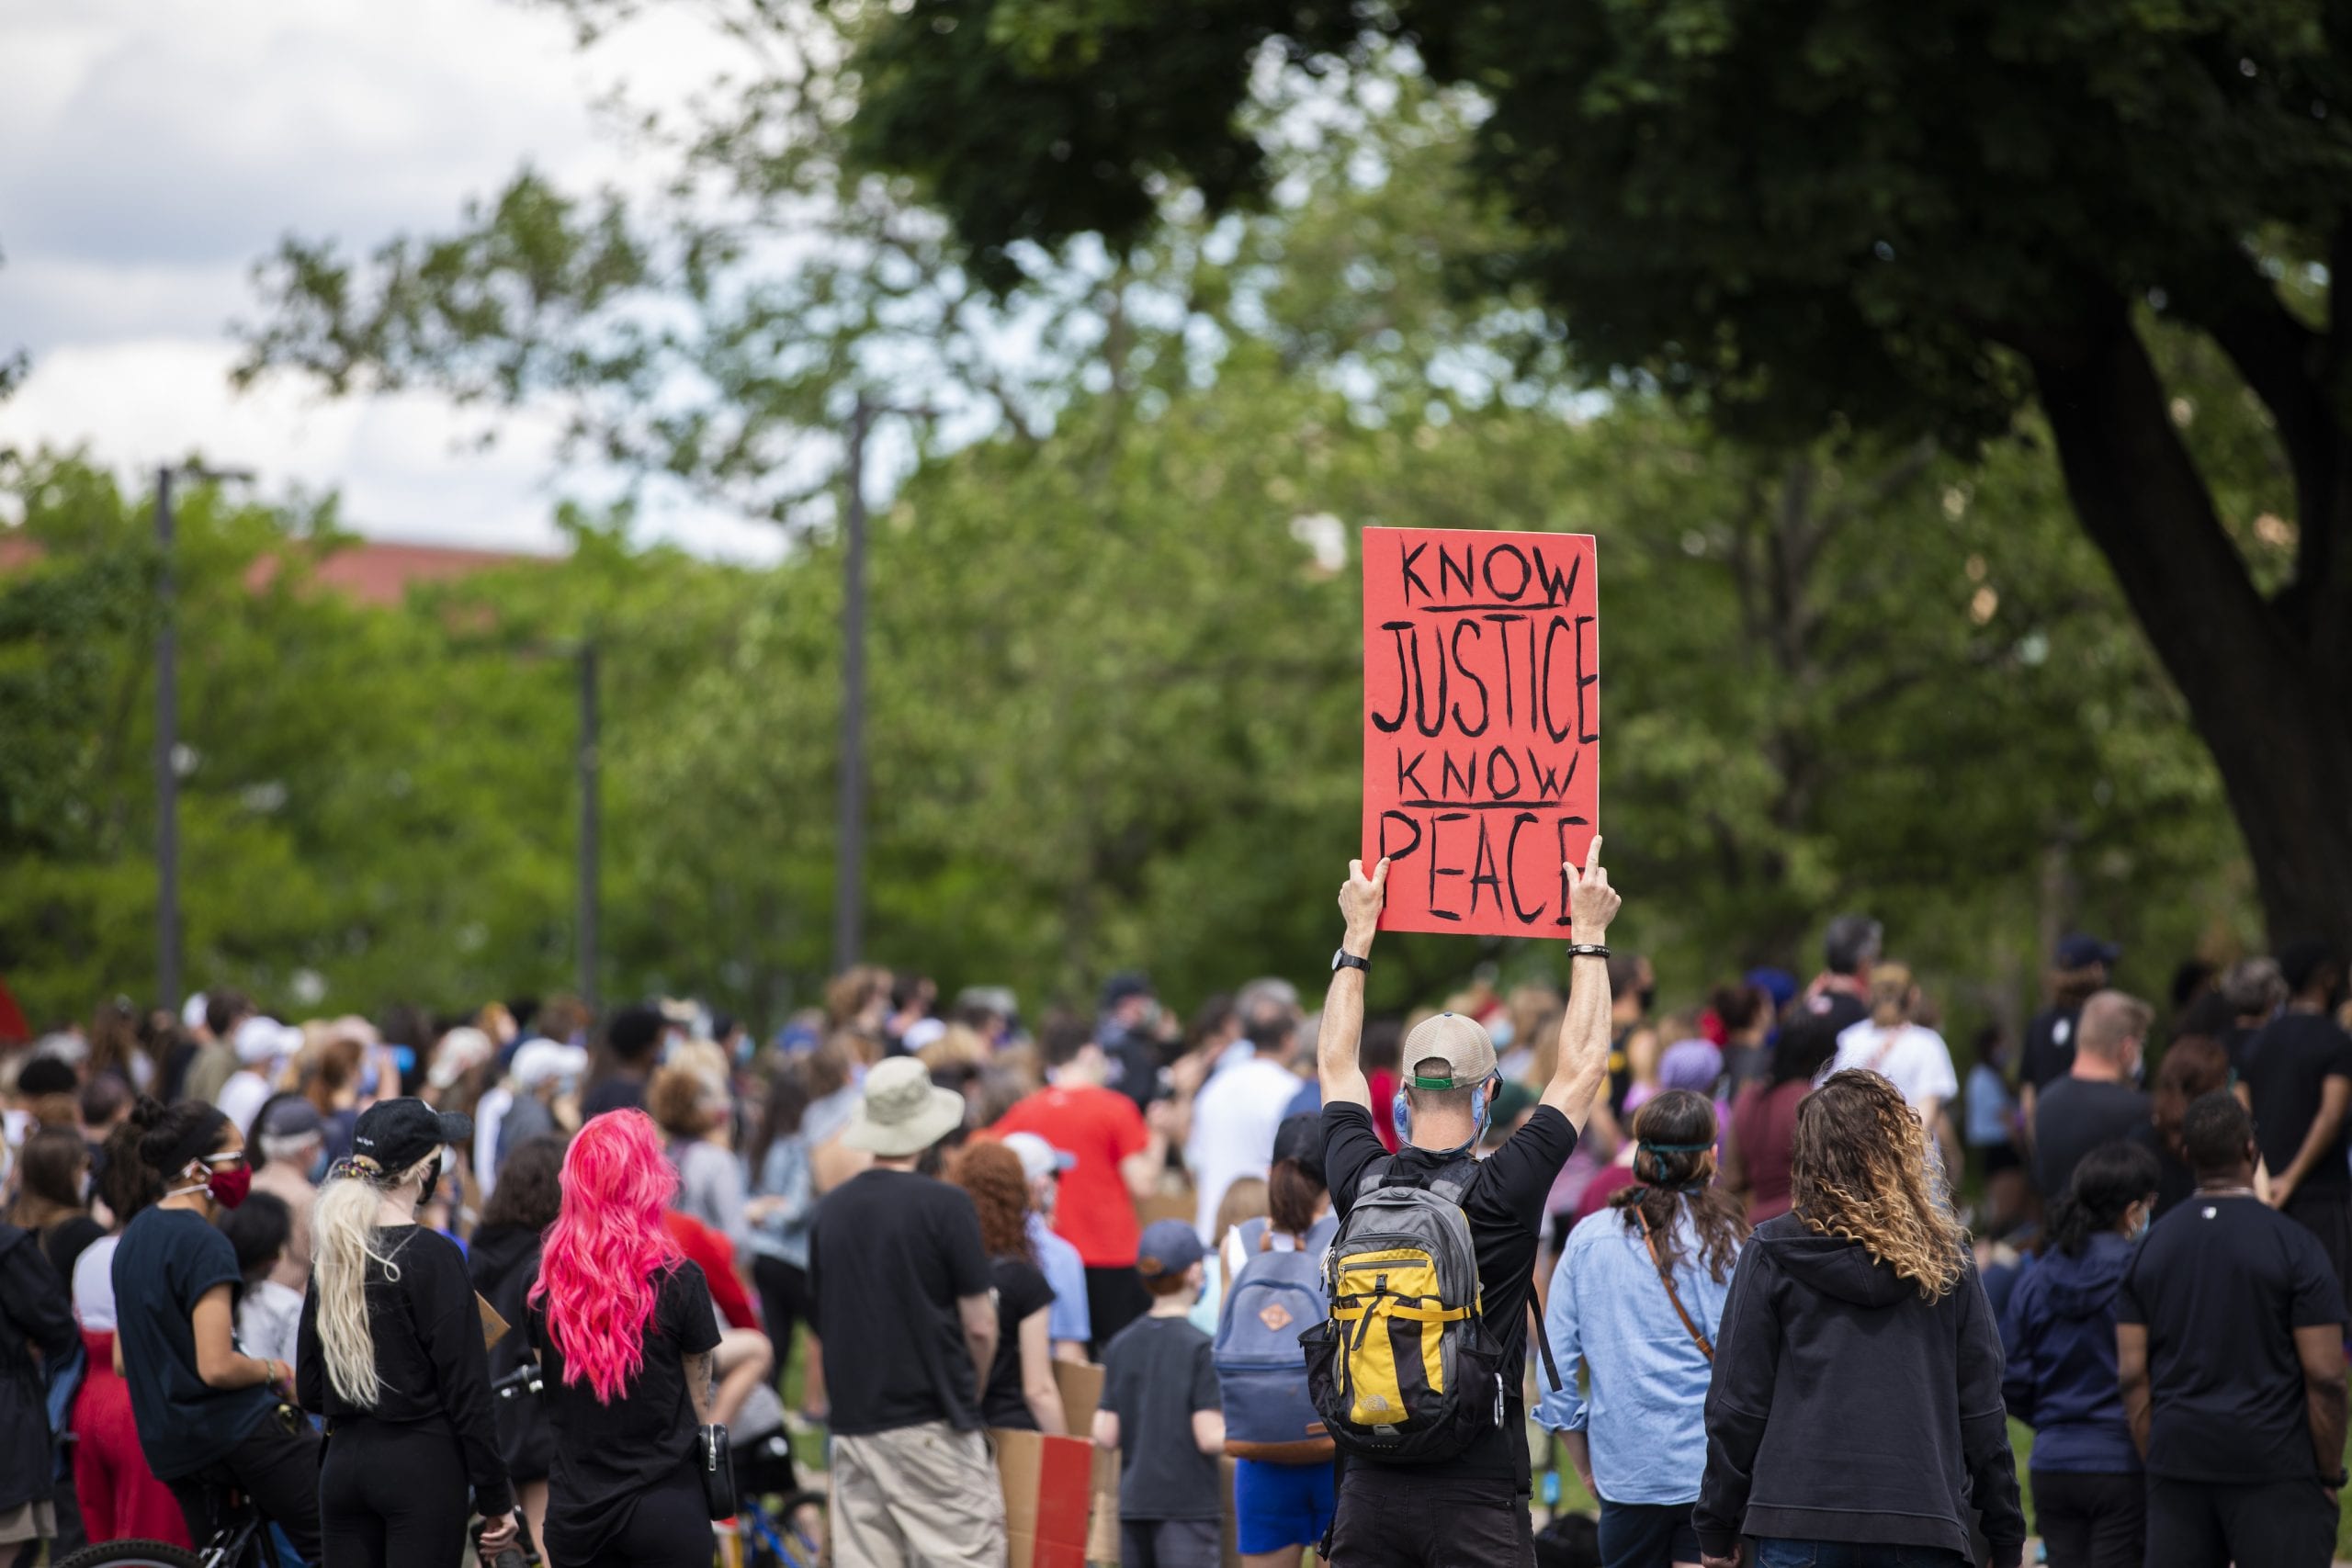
{"x":1448,"y":1482}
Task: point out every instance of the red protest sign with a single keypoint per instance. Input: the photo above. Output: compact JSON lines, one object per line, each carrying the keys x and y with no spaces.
{"x":1481,"y":725}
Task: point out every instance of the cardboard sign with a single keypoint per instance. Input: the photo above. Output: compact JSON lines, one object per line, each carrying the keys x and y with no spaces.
{"x":1481,"y":725}
{"x":1047,"y":1484}
{"x":1081,"y":1389}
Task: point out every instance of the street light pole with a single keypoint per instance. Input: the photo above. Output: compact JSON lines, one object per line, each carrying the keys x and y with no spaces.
{"x":168,"y":943}
{"x":589,"y":764}
{"x":167,"y":743}
{"x":849,"y":890}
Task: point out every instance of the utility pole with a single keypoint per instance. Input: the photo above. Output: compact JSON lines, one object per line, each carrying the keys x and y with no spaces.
{"x":167,"y":773}
{"x":849,"y":874}
{"x":168,"y":941}
{"x":588,"y":764}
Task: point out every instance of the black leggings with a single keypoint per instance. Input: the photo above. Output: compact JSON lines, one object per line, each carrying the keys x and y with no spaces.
{"x":668,"y":1529}
{"x":276,"y":1467}
{"x":784,"y":1302}
{"x":393,"y":1495}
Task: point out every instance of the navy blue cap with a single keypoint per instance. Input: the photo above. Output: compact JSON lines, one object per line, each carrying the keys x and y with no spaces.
{"x":2079,"y":951}
{"x":1168,"y":1247}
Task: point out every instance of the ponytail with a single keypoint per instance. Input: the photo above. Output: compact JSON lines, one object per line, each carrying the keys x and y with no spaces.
{"x":343,"y":1231}
{"x":1291,"y":1199}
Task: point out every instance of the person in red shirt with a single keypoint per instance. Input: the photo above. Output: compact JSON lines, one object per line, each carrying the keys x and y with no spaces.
{"x":1121,"y":1156}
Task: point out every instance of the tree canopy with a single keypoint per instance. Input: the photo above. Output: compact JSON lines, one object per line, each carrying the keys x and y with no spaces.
{"x":1115,"y":712}
{"x":1801,"y":218}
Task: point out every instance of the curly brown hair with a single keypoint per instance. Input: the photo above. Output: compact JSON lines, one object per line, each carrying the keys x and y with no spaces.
{"x":999,"y":1189}
{"x":1858,"y":1170}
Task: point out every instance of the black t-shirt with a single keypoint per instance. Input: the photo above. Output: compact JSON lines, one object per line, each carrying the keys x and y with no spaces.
{"x":607,"y":1456}
{"x":2286,"y":1064}
{"x":1156,"y":1372}
{"x":2075,"y":1116}
{"x":2049,"y":1047}
{"x":1020,"y":1291}
{"x":167,"y":1259}
{"x":1505,"y":1206}
{"x":431,"y":1367}
{"x":2222,"y":1284}
{"x":65,"y":1241}
{"x":889,"y":1255}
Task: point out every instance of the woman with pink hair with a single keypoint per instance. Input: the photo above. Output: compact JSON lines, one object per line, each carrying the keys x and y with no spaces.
{"x":625,"y":1328}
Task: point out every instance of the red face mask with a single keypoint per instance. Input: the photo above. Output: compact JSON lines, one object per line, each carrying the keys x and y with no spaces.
{"x":229,"y":1187}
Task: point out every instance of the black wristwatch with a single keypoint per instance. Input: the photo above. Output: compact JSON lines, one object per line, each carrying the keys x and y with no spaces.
{"x":1343,"y":959}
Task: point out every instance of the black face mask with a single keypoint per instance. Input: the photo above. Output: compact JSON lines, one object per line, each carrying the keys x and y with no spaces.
{"x":1649,"y":997}
{"x":432,"y":1180}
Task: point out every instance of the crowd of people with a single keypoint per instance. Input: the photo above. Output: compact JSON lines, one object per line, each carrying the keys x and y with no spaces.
{"x":1769,"y":1278}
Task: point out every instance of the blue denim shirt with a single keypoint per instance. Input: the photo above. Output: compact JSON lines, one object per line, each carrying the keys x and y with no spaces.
{"x":1643,"y":1408}
{"x":783,"y":1173}
{"x":1058,"y":1261}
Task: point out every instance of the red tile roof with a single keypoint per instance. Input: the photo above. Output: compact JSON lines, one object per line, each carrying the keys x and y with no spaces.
{"x":373,"y":571}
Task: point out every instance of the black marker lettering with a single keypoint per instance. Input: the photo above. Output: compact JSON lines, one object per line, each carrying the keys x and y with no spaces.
{"x":1485,"y":708}
{"x":1396,"y":629}
{"x":1412,"y":578}
{"x":1436,"y":870}
{"x":1498,"y":590}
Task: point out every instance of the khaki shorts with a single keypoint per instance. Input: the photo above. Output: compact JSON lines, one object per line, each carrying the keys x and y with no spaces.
{"x":916,"y":1497}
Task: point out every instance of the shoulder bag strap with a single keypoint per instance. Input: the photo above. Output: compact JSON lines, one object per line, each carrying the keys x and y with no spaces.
{"x":1666,"y":1278}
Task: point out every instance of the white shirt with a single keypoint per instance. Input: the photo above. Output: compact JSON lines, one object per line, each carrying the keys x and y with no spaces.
{"x":489,"y":1112}
{"x":1234,"y":1119}
{"x":1915,"y":1059}
{"x":269,"y":1321}
{"x":242,"y":1097}
{"x":94,"y":1285}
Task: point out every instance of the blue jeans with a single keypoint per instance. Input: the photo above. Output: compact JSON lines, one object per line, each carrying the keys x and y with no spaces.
{"x":1778,"y":1554}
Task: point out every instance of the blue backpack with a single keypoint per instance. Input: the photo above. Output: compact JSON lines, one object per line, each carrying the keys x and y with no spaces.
{"x":1260,"y":1366}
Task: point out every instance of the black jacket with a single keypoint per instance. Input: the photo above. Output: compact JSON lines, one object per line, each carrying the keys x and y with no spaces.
{"x":505,"y":1262}
{"x":36,"y":1314}
{"x":1846,"y":1408}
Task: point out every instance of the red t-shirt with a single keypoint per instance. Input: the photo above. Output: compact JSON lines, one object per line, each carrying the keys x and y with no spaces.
{"x":712,"y":1253}
{"x":1095,"y":1213}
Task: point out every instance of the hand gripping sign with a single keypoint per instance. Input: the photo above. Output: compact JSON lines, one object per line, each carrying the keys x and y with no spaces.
{"x":1481,"y":725}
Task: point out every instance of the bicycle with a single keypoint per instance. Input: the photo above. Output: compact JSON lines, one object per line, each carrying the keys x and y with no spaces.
{"x":240,"y":1539}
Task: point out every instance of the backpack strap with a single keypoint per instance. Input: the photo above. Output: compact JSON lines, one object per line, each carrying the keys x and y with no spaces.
{"x":1666,"y":1278}
{"x":1543,"y":1344}
{"x":1451,"y":1182}
{"x":1375,"y":1174}
{"x":1257,"y":1236}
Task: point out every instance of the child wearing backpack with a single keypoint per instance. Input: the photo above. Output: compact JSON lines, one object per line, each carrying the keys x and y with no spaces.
{"x":1283,"y":1482}
{"x":1160,"y":1411}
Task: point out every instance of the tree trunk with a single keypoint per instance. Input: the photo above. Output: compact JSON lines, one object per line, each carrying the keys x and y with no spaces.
{"x":2280,"y":730}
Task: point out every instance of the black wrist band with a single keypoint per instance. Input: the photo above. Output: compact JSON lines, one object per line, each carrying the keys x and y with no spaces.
{"x":1587,"y":950}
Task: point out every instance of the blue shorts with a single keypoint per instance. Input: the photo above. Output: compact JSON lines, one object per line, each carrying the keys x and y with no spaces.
{"x":1281,"y":1505}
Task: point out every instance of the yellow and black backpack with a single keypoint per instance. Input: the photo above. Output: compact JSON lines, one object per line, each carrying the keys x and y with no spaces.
{"x":1405,"y":1367}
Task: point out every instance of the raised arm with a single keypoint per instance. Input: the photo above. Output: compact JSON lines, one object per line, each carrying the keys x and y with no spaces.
{"x":1584,"y":1026}
{"x":1342,"y":1028}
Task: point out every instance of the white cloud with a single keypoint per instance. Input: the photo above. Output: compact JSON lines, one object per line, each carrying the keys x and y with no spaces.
{"x":158,"y":148}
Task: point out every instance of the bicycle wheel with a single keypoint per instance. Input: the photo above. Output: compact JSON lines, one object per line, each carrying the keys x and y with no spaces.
{"x":133,"y":1554}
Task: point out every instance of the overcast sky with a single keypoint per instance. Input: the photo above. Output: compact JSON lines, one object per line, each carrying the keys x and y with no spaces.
{"x":157,"y":148}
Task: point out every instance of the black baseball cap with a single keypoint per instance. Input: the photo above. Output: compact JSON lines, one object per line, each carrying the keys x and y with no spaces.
{"x":397,"y":1133}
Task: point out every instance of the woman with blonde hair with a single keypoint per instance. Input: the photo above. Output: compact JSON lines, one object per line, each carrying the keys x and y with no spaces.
{"x":391,"y":1353}
{"x":1854,"y":1416}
